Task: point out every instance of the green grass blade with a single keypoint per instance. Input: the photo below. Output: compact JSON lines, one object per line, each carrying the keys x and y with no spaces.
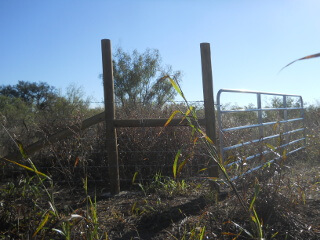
{"x":176,"y":87}
{"x":21,"y":149}
{"x":284,"y":154}
{"x":203,"y":169}
{"x":175,"y":164}
{"x":28,"y":168}
{"x":252,"y":201}
{"x":205,"y":136}
{"x":275,"y":126}
{"x":186,"y":115}
{"x":43,"y":222}
{"x":256,"y":192}
{"x":181,"y":165}
{"x":134,"y":177}
{"x":270,"y":146}
{"x":203,"y":230}
{"x":171,"y":117}
{"x":258,"y":224}
{"x":189,"y":111}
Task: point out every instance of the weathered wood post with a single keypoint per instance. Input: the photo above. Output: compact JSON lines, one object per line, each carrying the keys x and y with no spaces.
{"x":210,"y":119}
{"x":109,"y":103}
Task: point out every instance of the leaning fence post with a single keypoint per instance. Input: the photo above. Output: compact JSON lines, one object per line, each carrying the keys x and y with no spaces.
{"x":109,"y":103}
{"x":210,"y":119}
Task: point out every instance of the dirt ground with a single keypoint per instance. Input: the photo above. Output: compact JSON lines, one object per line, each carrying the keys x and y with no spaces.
{"x":288,"y":208}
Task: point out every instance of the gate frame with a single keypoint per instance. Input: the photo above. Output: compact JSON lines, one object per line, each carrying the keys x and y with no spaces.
{"x":261,"y":125}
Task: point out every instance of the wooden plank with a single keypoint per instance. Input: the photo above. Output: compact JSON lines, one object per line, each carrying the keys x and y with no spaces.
{"x":210,"y":119}
{"x":64,"y":133}
{"x":158,"y":122}
{"x":109,"y":103}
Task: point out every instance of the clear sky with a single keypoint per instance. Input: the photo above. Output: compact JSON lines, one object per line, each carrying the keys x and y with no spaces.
{"x":58,"y":41}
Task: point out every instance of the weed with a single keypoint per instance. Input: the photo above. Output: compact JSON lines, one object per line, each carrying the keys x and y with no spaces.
{"x":192,"y":119}
{"x":50,"y":218}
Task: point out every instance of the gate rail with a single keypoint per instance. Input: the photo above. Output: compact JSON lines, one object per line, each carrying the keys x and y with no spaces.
{"x":224,"y":147}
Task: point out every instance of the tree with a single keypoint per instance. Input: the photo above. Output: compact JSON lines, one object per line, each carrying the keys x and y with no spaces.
{"x":33,"y":110}
{"x":137,"y":78}
{"x":38,"y":94}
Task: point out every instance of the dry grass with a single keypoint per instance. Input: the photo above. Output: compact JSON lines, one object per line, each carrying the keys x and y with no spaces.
{"x":159,"y":207}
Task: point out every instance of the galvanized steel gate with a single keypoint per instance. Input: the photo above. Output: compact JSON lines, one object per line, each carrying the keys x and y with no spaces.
{"x":292,"y":130}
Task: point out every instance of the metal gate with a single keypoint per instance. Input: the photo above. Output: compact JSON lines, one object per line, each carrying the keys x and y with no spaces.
{"x":278,"y":130}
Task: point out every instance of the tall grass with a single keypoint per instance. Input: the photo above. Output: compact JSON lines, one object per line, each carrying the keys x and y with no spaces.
{"x":199,"y":135}
{"x":50,"y":220}
{"x":174,"y":155}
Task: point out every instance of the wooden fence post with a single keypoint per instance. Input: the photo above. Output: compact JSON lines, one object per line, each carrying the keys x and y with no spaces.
{"x":210,"y":119}
{"x":109,"y":103}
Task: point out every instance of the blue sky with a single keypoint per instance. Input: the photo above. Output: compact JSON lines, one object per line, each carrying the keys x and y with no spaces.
{"x":58,"y":41}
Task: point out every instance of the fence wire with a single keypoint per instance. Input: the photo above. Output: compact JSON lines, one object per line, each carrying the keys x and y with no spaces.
{"x":146,"y":151}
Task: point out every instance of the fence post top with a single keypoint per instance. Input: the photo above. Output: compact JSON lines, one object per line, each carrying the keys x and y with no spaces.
{"x":205,"y":44}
